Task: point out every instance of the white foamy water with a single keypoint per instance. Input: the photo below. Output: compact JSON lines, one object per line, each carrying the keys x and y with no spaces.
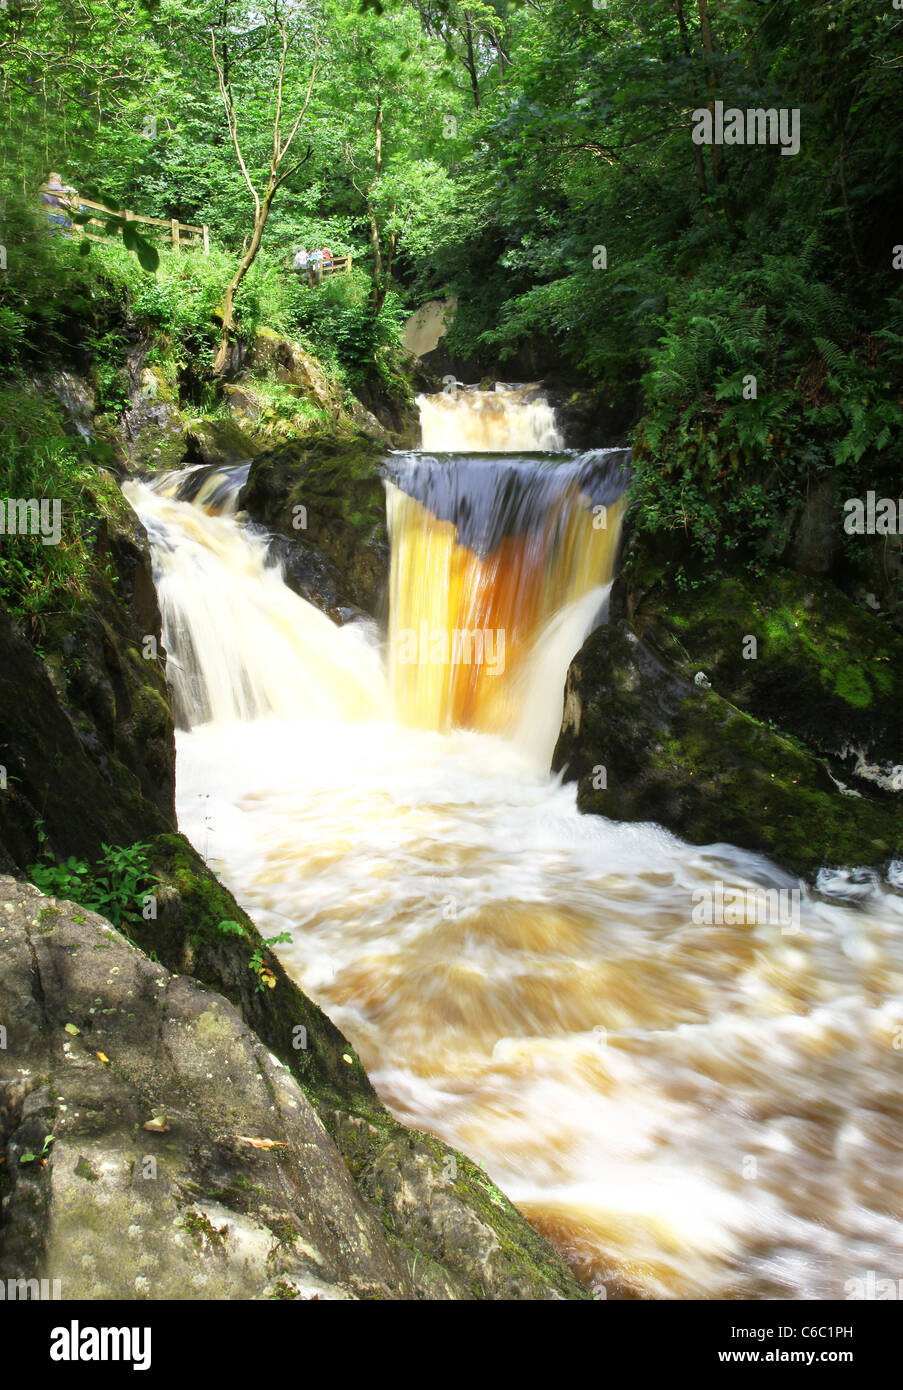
{"x":687,"y":1110}
{"x":509,"y":419}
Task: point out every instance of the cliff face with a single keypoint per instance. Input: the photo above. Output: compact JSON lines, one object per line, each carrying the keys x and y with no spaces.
{"x":86,"y":735}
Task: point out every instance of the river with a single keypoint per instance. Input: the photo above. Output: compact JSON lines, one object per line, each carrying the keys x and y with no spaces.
{"x":686,"y":1110}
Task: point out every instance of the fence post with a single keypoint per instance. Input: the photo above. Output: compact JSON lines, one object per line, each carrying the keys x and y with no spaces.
{"x":206,"y":239}
{"x":174,"y":223}
{"x":347,"y":265}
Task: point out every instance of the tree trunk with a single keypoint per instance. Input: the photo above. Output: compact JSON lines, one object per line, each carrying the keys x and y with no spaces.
{"x":244,"y":265}
{"x":471,"y":64}
{"x":378,"y":292}
{"x":705,"y":25}
{"x":718,"y":165}
{"x":698,"y":161}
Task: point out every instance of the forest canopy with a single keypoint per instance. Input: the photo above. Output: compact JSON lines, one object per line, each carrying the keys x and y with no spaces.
{"x":534,"y":160}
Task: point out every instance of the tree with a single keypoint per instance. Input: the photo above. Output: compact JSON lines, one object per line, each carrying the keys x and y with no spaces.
{"x":388,"y":86}
{"x":276,"y":32}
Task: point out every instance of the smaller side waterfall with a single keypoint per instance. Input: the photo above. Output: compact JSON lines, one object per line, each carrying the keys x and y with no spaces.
{"x":240,"y":644}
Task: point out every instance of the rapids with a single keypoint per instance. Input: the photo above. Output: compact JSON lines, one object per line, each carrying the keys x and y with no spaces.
{"x":687,"y":1110}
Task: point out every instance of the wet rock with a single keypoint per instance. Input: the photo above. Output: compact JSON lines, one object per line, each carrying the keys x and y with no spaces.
{"x":314,"y":577}
{"x":645,"y":743}
{"x":152,"y":429}
{"x":77,"y":397}
{"x":219,"y":443}
{"x":592,"y":417}
{"x":794,"y":652}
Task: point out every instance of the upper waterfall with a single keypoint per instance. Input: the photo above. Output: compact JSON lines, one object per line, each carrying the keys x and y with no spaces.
{"x":509,"y":419}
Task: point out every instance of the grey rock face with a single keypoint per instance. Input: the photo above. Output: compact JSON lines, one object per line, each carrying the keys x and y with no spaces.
{"x":118,"y":1211}
{"x":236,"y":1190}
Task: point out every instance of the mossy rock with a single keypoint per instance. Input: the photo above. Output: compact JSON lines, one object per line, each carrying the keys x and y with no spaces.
{"x":336,"y":480}
{"x":681,"y":755}
{"x":152,"y":428}
{"x":793,"y":651}
{"x":220,"y":443}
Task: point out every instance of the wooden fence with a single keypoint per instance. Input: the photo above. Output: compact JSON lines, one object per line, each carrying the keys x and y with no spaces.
{"x":181,"y":233}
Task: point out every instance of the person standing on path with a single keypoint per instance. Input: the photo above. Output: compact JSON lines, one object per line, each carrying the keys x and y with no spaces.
{"x":55,"y":196}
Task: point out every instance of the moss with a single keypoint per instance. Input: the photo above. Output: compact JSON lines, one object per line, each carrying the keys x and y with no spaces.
{"x":689,"y":759}
{"x":825,"y":670}
{"x":285,"y":1231}
{"x":851,"y":685}
{"x":336,"y":478}
{"x":202,"y":1230}
{"x":282,"y":1290}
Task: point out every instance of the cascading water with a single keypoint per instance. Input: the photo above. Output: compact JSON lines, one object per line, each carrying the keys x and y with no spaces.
{"x":488,"y":555}
{"x":687,"y":1110}
{"x":508,"y":419}
{"x":241,"y":645}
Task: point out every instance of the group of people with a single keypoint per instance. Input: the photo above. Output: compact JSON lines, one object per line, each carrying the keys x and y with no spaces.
{"x":313,"y":264}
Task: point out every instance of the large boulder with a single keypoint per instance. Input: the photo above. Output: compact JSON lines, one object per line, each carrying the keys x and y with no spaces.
{"x":647,"y":738}
{"x":287,"y":361}
{"x":156,"y":1147}
{"x":797,"y":654}
{"x":220,"y":443}
{"x":152,"y":428}
{"x":331,"y":485}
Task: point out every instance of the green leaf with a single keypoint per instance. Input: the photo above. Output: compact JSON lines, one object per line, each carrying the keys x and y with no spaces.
{"x":148,"y":256}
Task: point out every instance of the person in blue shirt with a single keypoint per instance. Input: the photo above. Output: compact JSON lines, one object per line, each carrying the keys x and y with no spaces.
{"x":55,"y":196}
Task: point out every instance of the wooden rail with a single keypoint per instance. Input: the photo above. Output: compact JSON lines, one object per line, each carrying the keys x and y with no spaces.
{"x":76,"y":203}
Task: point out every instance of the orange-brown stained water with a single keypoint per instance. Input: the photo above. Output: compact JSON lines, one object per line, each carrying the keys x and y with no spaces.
{"x":686,"y":1109}
{"x":463,"y":626}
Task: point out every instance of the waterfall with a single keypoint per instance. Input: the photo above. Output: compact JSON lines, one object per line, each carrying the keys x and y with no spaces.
{"x":242,"y":645}
{"x":686,"y":1110}
{"x":510,"y":418}
{"x":487,"y":556}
